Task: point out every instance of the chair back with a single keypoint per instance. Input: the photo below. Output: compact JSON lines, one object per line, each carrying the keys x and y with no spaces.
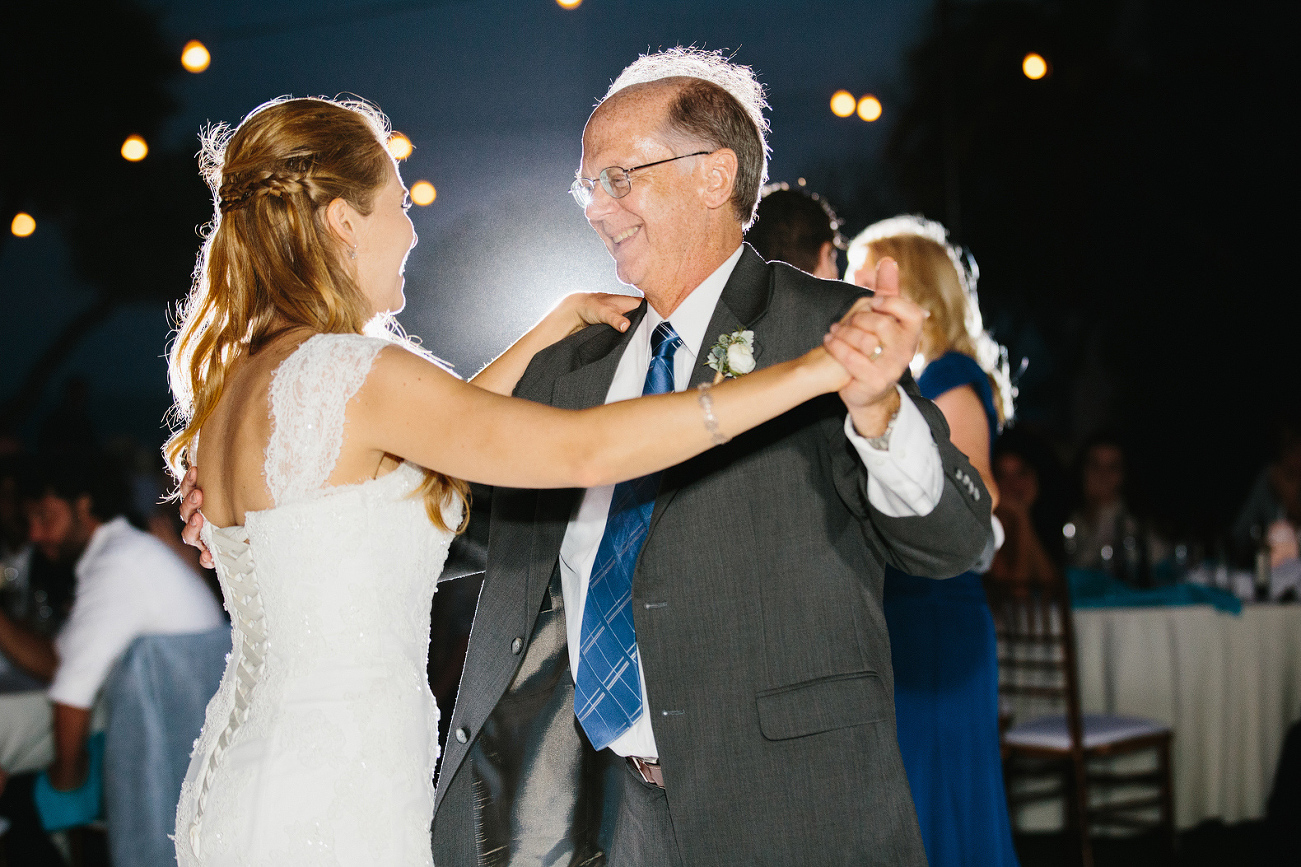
{"x":157,"y":697}
{"x":1037,"y":672}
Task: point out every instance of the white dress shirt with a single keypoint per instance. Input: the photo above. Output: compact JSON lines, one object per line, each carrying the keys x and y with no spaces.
{"x":905,"y":479}
{"x":128,"y":584}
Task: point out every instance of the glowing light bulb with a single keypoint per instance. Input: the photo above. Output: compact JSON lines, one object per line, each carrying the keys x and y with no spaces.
{"x":400,"y":146}
{"x":842,"y":103}
{"x":134,"y":149}
{"x":423,"y":193}
{"x":195,"y":56}
{"x":569,"y":4}
{"x":1034,"y":66}
{"x":22,"y":225}
{"x":869,"y":108}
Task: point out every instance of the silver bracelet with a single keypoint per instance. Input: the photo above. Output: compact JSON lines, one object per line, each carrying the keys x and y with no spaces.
{"x":707,"y":407}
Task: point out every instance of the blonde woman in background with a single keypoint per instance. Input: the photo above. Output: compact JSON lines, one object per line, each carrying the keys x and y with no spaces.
{"x":330,"y":454}
{"x":941,"y":632}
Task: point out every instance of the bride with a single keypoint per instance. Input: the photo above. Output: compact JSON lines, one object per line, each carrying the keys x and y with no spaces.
{"x":331,"y":455}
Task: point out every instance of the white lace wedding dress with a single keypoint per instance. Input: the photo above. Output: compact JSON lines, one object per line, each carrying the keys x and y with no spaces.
{"x":320,"y":743}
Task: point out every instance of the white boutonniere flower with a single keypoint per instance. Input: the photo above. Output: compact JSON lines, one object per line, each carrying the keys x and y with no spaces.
{"x":732,"y":355}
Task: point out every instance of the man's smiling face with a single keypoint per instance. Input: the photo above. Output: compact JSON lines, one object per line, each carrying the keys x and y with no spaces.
{"x":651,"y":231}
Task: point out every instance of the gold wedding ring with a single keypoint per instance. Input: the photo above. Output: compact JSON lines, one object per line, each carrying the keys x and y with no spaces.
{"x":876,"y":353}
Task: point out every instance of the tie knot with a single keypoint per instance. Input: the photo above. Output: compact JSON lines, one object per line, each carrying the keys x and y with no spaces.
{"x":664,"y":341}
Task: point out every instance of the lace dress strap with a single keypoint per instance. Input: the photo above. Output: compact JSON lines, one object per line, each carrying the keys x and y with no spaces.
{"x":310,"y":391}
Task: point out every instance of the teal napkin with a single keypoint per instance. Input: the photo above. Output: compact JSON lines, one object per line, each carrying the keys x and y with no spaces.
{"x":1092,"y":589}
{"x":60,"y":810}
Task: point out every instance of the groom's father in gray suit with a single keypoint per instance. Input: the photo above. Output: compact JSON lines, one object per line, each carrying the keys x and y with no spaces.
{"x":693,"y":668}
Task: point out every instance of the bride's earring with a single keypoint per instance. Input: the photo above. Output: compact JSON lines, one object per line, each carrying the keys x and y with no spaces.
{"x":352,"y":254}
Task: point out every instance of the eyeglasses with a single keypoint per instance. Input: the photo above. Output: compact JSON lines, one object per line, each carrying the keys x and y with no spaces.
{"x":615,"y":181}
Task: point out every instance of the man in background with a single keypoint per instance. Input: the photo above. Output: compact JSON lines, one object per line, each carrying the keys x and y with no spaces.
{"x":128,"y":584}
{"x":799,"y":228}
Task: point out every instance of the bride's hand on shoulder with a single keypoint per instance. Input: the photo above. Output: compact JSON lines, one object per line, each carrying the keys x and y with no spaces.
{"x":191,"y":502}
{"x":576,"y":312}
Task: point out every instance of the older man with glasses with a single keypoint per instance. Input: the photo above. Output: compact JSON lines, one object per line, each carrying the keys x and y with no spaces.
{"x":693,"y":667}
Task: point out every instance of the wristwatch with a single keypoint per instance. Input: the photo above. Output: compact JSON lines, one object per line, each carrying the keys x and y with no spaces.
{"x":882,"y":443}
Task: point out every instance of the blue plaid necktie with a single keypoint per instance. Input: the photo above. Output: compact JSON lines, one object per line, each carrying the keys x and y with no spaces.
{"x":607,"y":688}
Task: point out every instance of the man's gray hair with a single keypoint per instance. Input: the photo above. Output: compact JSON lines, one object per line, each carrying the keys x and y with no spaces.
{"x":723,"y":108}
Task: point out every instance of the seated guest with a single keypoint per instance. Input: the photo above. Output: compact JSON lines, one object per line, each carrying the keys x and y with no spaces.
{"x":1105,"y":532}
{"x":798,"y":228}
{"x":1030,"y":507}
{"x":942,"y":643}
{"x":128,"y":584}
{"x":1275,"y":498}
{"x":34,"y":591}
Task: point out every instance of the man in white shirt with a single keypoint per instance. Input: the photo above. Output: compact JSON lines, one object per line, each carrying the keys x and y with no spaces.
{"x":128,"y":584}
{"x":714,"y":648}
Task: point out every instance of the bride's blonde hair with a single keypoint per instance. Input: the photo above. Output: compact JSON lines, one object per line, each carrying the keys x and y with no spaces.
{"x":269,"y":260}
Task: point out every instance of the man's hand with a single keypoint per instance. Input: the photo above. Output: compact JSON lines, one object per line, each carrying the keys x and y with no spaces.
{"x":875,"y":342}
{"x":191,"y":502}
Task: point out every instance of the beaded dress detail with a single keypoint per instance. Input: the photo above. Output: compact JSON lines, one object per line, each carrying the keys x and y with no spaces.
{"x":319,"y":746}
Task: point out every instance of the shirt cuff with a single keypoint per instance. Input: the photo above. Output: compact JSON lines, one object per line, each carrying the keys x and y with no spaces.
{"x":905,"y":479}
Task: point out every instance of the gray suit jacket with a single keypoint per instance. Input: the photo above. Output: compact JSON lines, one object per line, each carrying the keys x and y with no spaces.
{"x":757,"y":603}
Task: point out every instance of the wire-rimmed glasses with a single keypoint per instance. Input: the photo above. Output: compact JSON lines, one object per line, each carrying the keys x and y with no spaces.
{"x":615,"y":181}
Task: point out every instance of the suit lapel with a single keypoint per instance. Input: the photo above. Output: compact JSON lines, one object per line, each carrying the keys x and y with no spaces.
{"x":586,"y":385}
{"x":743,"y":302}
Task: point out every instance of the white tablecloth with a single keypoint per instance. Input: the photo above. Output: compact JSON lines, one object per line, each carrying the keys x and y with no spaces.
{"x":1228,"y":685}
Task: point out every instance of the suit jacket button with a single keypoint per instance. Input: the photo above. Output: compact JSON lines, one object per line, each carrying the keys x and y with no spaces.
{"x":516,"y":646}
{"x":462,"y":735}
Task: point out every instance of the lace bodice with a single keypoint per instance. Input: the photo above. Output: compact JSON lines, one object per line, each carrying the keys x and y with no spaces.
{"x":309,"y":394}
{"x":319,"y":745}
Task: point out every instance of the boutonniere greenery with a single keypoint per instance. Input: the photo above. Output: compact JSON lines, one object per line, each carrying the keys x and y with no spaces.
{"x":732,"y":355}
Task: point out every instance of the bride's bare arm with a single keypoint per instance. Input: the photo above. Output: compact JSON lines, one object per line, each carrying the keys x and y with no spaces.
{"x":573,"y":313}
{"x":412,"y":408}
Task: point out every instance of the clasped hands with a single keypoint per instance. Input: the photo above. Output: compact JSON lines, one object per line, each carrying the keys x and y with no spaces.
{"x":875,"y":342}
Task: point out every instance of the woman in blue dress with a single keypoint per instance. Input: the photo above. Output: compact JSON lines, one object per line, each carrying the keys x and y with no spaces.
{"x":941,"y":632}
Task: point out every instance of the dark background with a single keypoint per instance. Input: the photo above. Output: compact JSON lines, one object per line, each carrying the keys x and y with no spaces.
{"x":1131,"y":212}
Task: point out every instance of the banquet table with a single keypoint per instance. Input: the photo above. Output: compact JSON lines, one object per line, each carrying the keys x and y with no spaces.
{"x":1229,"y":685}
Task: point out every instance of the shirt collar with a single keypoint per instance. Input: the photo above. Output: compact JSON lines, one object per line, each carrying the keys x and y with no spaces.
{"x":692,"y":316}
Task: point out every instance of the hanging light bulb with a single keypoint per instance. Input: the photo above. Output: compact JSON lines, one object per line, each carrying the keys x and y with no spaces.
{"x":869,"y":108}
{"x":22,"y":225}
{"x":134,"y":149}
{"x":1034,"y":66}
{"x":400,"y":146}
{"x":842,"y":103}
{"x":195,"y":56}
{"x":423,"y":193}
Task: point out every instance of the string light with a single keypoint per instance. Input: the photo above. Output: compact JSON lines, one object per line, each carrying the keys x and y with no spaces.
{"x":869,"y":108}
{"x":423,"y":193}
{"x":23,"y":224}
{"x":400,"y":146}
{"x":569,"y":4}
{"x":134,"y":149}
{"x":195,"y":56}
{"x":1034,"y":66}
{"x":842,"y":103}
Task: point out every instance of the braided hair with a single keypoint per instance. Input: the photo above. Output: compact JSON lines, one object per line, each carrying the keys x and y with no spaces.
{"x":269,"y":259}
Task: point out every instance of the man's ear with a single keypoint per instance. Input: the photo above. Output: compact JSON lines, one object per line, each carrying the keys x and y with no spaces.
{"x":341,"y":217}
{"x":827,"y":262}
{"x":720,"y":177}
